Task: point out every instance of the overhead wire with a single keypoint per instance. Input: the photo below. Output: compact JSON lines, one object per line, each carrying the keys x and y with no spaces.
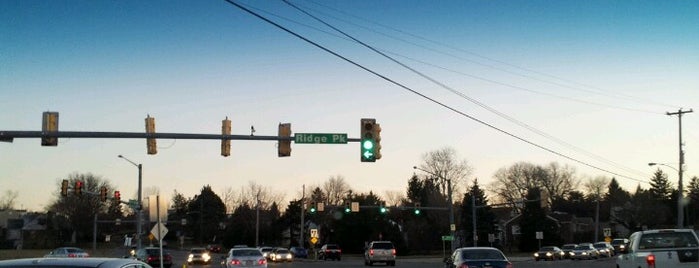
{"x":423,"y":95}
{"x":597,"y":90}
{"x":482,"y":105}
{"x":462,"y":95}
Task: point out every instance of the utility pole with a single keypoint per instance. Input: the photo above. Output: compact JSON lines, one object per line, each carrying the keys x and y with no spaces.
{"x":303,"y":211}
{"x":680,"y":210}
{"x":473,"y":217}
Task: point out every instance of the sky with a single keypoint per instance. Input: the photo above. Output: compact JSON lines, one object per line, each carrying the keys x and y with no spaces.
{"x":588,"y":84}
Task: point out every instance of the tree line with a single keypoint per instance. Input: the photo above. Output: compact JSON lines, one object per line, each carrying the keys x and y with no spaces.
{"x":258,"y":216}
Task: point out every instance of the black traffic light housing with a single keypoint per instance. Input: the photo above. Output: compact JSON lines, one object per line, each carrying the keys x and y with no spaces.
{"x":78,"y":188}
{"x":64,"y":188}
{"x":103,"y":193}
{"x":117,"y":197}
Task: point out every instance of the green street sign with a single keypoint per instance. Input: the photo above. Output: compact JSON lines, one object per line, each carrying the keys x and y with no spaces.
{"x":316,"y":138}
{"x":447,"y":238}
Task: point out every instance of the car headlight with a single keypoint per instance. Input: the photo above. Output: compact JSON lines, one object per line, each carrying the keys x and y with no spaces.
{"x":548,"y":254}
{"x":536,"y":254}
{"x":622,"y":246}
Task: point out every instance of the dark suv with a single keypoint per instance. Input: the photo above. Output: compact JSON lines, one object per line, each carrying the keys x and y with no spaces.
{"x":330,"y":251}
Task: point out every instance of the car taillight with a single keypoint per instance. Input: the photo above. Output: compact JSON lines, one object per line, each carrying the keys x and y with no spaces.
{"x":650,"y":260}
{"x":393,"y":251}
{"x":262,"y":261}
{"x":464,"y":266}
{"x":150,"y":258}
{"x":509,"y":265}
{"x":71,"y":255}
{"x":235,"y":262}
{"x":371,"y":252}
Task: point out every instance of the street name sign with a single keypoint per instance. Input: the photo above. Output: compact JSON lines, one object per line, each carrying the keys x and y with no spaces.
{"x":447,"y":238}
{"x":325,"y":138}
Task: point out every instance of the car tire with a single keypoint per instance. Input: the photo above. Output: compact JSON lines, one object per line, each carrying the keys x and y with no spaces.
{"x":393,"y":263}
{"x":371,"y":263}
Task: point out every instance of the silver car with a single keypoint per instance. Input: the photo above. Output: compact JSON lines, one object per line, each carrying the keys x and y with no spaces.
{"x":67,"y":252}
{"x":75,"y":262}
{"x":245,"y":257}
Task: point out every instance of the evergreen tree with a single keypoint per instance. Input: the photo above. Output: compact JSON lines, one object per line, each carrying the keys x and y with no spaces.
{"x":693,"y":205}
{"x":485,"y":219}
{"x":660,"y":188}
{"x":534,"y":220}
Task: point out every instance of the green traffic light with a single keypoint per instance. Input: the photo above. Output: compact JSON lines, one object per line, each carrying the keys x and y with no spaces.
{"x":347,"y":210}
{"x":383,"y":210}
{"x":313,"y":210}
{"x":368,"y":144}
{"x":417,"y":212}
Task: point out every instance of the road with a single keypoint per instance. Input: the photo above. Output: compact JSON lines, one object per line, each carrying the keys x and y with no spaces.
{"x":408,"y":262}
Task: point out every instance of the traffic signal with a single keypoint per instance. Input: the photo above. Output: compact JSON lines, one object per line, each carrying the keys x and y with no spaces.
{"x":103,"y":193}
{"x":49,"y":124}
{"x":64,"y":188}
{"x":117,"y":197}
{"x":150,"y":129}
{"x":312,"y":209}
{"x":348,"y":209}
{"x":226,"y":143}
{"x":367,"y":140}
{"x":284,"y":148}
{"x":417,"y":208}
{"x":78,"y":188}
{"x":383,"y":209}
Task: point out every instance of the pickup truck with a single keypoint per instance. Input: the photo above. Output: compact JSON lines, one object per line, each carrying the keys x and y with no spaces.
{"x":664,"y":248}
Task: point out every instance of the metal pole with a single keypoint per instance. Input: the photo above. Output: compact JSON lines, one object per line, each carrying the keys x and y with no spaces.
{"x":94,"y":234}
{"x":139,"y":227}
{"x":451,"y":215}
{"x":596,"y":221}
{"x":257,"y":220}
{"x":303,"y":211}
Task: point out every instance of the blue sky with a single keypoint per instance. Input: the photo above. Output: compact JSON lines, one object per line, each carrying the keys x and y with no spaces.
{"x":599,"y":75}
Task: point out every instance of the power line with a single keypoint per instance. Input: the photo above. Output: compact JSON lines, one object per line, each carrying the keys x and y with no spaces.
{"x":422,"y":95}
{"x":597,"y":90}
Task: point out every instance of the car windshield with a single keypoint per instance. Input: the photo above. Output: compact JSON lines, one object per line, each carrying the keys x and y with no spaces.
{"x":547,"y":249}
{"x":582,"y":247}
{"x":600,"y":245}
{"x":246,"y":252}
{"x":617,"y":241}
{"x":382,"y":245}
{"x":569,"y":247}
{"x":333,"y":247}
{"x":282,"y":251}
{"x":198,"y":250}
{"x":482,"y":254}
{"x":667,"y":240}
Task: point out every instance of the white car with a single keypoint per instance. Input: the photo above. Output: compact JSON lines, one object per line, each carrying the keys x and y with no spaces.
{"x":675,"y":248}
{"x":245,"y":257}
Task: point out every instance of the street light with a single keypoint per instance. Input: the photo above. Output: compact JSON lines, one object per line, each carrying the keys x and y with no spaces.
{"x":451,"y":205}
{"x":680,"y":211}
{"x":140,"y":205}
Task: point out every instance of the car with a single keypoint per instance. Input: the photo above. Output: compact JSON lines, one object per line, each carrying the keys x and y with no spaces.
{"x":198,"y":255}
{"x":584,"y":251}
{"x":620,"y":244}
{"x":380,"y":251}
{"x":74,"y":262}
{"x":151,"y":256}
{"x":567,"y":249}
{"x":299,"y":252}
{"x":244,"y":257}
{"x":67,"y":252}
{"x":605,"y":249}
{"x":549,"y":253}
{"x":266,"y":252}
{"x":281,"y":254}
{"x":330,"y":251}
{"x":214,"y":248}
{"x":477,"y":257}
{"x":677,"y":248}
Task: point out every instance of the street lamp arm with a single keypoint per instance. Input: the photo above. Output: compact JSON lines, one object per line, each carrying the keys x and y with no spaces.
{"x":662,"y":164}
{"x":122,"y":157}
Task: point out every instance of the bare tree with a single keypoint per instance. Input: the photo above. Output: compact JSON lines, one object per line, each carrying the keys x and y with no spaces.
{"x":7,"y":201}
{"x":559,"y":181}
{"x":511,"y":184}
{"x":394,"y":198}
{"x":442,"y":165}
{"x":254,"y":192}
{"x":597,"y":187}
{"x":228,"y":196}
{"x":336,"y":190}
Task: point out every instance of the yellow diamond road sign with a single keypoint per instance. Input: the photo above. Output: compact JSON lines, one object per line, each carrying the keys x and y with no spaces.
{"x":314,"y":240}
